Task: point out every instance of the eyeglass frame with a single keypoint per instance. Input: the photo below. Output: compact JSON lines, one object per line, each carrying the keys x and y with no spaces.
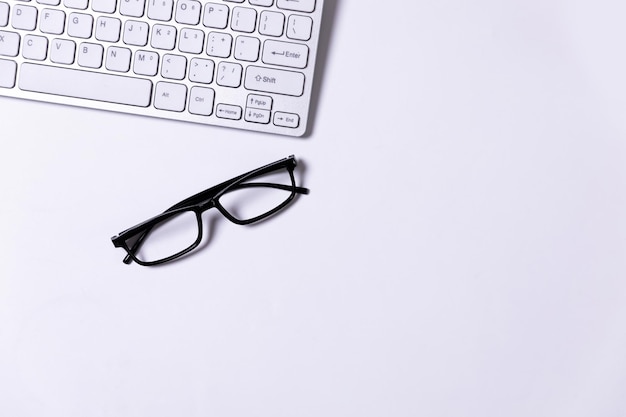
{"x":206,"y":200}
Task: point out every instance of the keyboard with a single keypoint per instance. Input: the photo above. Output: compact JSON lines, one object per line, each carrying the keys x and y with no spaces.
{"x":245,"y":64}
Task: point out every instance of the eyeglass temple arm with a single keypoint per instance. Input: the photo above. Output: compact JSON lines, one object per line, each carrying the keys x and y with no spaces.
{"x":298,"y":190}
{"x":209,"y":193}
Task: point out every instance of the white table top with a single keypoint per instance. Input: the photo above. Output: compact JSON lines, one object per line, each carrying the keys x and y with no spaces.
{"x":462,"y":251}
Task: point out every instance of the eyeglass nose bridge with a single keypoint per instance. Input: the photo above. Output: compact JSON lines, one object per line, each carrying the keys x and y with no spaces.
{"x":209,"y":204}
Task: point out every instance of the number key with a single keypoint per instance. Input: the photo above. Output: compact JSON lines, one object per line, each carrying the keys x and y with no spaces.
{"x":160,"y":9}
{"x":188,"y":12}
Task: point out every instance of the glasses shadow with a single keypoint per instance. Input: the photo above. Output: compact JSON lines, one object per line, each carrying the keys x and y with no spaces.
{"x":324,"y":44}
{"x":210,"y":225}
{"x":300,"y":173}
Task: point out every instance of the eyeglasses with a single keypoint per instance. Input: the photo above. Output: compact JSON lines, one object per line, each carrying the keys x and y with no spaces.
{"x":246,"y":199}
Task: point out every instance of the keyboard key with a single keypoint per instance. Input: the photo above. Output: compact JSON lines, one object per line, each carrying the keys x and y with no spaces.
{"x":188,"y":12}
{"x":285,"y":54}
{"x":24,"y":17}
{"x":219,"y":44}
{"x":201,"y":101}
{"x":299,"y":27}
{"x":201,"y":70}
{"x":104,"y":6}
{"x":297,"y":5}
{"x":75,"y":4}
{"x":118,"y":59}
{"x":228,"y":111}
{"x":136,"y":33}
{"x":290,"y":120}
{"x":270,"y":80}
{"x":174,"y":67}
{"x":271,"y":23}
{"x":191,"y":41}
{"x":256,"y":101}
{"x":229,"y":74}
{"x":35,"y":47}
{"x":8,"y":69}
{"x":85,"y":84}
{"x":62,"y":51}
{"x":266,"y":3}
{"x":52,"y":21}
{"x":146,"y":63}
{"x":80,"y":25}
{"x":244,"y":19}
{"x":4,"y":14}
{"x":247,"y":48}
{"x":258,"y":116}
{"x":108,"y":29}
{"x":163,"y":37}
{"x":9,"y":43}
{"x":160,"y":9}
{"x":132,"y":8}
{"x":215,"y":16}
{"x":90,"y":55}
{"x":170,"y":96}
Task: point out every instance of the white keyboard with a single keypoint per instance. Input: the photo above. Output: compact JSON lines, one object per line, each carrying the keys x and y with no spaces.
{"x":245,"y":64}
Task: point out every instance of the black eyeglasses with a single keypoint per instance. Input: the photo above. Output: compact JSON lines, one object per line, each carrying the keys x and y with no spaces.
{"x":245,"y":199}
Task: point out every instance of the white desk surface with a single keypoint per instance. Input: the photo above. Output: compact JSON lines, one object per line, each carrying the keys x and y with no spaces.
{"x":462,"y":251}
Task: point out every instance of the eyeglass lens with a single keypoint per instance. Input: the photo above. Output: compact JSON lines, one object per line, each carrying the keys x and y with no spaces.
{"x":255,"y":198}
{"x":170,"y":237}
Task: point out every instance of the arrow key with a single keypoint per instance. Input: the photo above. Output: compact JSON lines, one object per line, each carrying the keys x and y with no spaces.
{"x":291,"y":120}
{"x":256,"y":101}
{"x":258,"y":116}
{"x":228,"y":111}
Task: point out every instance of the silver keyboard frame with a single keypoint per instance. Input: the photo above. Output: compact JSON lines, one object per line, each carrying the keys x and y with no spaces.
{"x":223,"y":95}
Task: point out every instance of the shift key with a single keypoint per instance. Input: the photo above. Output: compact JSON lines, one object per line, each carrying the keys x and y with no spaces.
{"x":270,"y":80}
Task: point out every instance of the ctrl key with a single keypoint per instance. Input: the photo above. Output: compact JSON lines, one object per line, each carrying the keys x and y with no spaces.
{"x":201,"y":101}
{"x":286,"y":119}
{"x":8,"y":69}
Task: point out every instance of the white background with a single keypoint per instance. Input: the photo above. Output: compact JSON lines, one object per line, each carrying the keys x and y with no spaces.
{"x":462,"y":251}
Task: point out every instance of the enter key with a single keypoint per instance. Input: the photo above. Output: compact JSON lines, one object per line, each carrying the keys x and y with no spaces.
{"x":285,"y":54}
